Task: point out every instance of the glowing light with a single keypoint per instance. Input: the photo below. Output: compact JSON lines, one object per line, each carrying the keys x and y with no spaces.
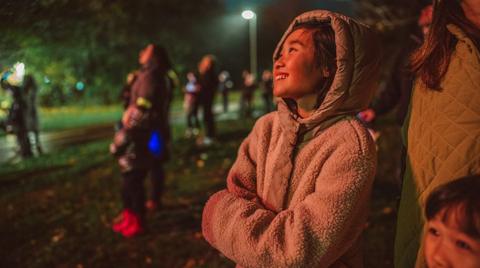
{"x":19,"y":69}
{"x":46,"y":80}
{"x":80,"y":86}
{"x":248,"y":14}
{"x":4,"y":104}
{"x":16,"y":78}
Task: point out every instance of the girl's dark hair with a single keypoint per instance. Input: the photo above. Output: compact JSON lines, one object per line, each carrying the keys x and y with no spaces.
{"x":325,"y":51}
{"x":430,"y":61}
{"x":459,"y":200}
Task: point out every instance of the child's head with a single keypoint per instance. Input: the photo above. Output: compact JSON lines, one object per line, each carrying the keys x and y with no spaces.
{"x":452,"y":238}
{"x":191,"y":77}
{"x":306,"y":63}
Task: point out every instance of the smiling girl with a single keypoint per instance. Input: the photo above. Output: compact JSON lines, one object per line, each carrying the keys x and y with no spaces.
{"x":298,"y":192}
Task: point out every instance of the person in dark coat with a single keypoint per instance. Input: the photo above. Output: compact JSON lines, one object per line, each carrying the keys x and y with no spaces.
{"x":142,"y":144}
{"x":31,"y":113}
{"x":17,"y":114}
{"x":396,"y":92}
{"x":224,"y":87}
{"x":248,"y":89}
{"x":208,"y":81}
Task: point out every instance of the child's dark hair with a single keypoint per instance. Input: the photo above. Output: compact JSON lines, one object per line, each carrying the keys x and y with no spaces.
{"x":458,"y":200}
{"x":325,"y":51}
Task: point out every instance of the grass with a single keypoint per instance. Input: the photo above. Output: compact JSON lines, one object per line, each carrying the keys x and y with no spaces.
{"x":74,"y":116}
{"x":60,"y":216}
{"x":56,"y":210}
{"x":59,"y":118}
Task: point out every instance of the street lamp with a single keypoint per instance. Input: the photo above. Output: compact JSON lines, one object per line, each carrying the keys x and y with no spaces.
{"x":252,"y":23}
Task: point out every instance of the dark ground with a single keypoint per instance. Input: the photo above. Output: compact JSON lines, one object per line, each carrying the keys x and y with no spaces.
{"x":57,"y":213}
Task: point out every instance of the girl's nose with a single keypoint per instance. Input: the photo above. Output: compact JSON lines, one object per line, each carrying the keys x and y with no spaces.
{"x":279,"y":63}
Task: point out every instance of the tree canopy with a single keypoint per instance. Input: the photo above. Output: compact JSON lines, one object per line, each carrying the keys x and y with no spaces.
{"x":95,"y":42}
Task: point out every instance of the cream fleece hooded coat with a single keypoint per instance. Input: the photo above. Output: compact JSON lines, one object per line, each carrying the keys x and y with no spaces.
{"x":288,"y":205}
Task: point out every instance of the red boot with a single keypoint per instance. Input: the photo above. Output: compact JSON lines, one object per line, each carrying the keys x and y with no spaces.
{"x":122,"y":221}
{"x":135,"y":226}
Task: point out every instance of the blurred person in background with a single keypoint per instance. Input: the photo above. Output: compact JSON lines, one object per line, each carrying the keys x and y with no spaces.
{"x":142,"y":145}
{"x":208,"y":80}
{"x":13,"y":82}
{"x":396,"y":92}
{"x":248,"y":90}
{"x":30,"y":90}
{"x":267,"y":90}
{"x":190,"y":105}
{"x":224,"y":86}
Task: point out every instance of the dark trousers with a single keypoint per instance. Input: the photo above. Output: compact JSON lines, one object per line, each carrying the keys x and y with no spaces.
{"x":133,"y":191}
{"x":207,"y":106}
{"x":157,"y":177}
{"x":225,"y":100}
{"x":246,"y":105}
{"x":24,"y":143}
{"x":192,"y":116}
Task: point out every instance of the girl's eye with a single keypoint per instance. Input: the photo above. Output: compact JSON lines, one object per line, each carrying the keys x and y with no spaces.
{"x":463,"y":245}
{"x":291,"y":49}
{"x":433,"y":231}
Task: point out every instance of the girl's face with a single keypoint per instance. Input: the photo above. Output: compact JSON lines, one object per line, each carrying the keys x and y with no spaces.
{"x":447,"y":246}
{"x":295,"y":71}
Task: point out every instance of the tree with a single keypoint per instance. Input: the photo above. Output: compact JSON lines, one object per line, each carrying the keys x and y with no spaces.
{"x":94,"y":41}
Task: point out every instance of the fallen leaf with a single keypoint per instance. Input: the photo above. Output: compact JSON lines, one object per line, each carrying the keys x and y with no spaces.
{"x":190,"y":263}
{"x":387,"y":210}
{"x":148,"y":260}
{"x":198,"y":235}
{"x":58,"y":235}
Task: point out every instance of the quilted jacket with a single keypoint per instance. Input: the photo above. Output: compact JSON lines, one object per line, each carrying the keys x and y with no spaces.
{"x":443,"y":143}
{"x":298,"y":192}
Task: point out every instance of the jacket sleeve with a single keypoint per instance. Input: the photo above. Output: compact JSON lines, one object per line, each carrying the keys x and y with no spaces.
{"x":314,"y":233}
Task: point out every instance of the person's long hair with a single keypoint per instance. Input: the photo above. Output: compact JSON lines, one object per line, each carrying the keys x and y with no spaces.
{"x":160,"y":57}
{"x":430,"y":62}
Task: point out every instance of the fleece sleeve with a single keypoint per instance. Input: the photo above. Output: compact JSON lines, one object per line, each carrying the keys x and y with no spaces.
{"x":314,"y":233}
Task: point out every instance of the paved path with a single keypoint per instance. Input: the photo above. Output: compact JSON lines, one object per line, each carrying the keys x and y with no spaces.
{"x":54,"y":141}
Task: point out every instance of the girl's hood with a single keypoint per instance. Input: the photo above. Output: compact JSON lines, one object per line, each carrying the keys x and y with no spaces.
{"x":358,"y":57}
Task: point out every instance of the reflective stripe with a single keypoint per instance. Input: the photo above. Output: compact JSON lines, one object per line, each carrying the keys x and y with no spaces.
{"x":144,"y":103}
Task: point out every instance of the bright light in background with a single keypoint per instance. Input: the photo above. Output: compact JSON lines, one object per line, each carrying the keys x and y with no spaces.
{"x":19,"y":69}
{"x":4,"y":105}
{"x":16,"y":78}
{"x":248,"y":14}
{"x":79,"y":85}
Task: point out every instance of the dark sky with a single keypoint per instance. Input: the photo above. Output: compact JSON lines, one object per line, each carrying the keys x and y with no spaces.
{"x":343,"y":6}
{"x":273,"y":17}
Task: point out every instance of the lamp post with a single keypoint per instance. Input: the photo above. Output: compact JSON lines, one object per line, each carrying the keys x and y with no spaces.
{"x":252,"y":23}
